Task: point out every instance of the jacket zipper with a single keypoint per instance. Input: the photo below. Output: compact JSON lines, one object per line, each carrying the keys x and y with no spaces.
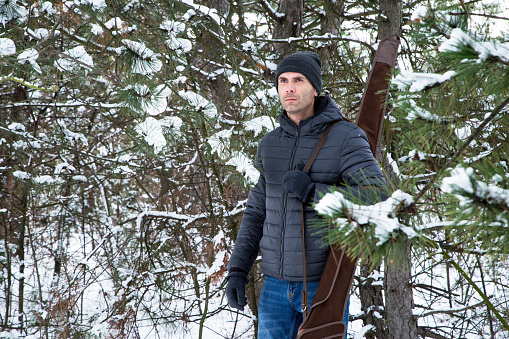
{"x":285,"y":198}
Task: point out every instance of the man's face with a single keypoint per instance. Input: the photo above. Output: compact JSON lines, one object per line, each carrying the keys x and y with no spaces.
{"x":296,"y":93}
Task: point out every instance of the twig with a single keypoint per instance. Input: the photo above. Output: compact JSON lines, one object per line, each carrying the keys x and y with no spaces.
{"x":451,"y":310}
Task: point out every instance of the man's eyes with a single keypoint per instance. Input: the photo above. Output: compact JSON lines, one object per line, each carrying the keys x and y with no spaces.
{"x":295,"y":80}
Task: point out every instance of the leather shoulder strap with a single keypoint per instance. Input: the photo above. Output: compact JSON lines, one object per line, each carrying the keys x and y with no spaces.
{"x":317,"y":149}
{"x":306,"y":169}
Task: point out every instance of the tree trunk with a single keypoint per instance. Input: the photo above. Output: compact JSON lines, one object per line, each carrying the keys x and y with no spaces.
{"x":331,"y":23}
{"x":290,"y":25}
{"x":21,"y":257}
{"x":399,"y":298}
{"x":13,"y":203}
{"x":398,"y":288}
{"x":390,"y":18}
{"x":372,"y":303}
{"x":209,"y":55}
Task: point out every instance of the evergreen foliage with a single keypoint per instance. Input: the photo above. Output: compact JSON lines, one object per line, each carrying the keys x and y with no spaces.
{"x":448,"y":133}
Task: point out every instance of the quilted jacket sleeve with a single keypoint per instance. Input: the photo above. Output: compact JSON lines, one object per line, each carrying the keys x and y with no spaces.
{"x":247,"y":244}
{"x":360,"y":172}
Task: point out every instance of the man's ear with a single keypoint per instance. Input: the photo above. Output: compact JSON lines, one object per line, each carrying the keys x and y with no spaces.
{"x":316,"y":93}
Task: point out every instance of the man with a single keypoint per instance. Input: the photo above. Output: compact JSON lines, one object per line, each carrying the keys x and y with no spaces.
{"x":272,"y":219}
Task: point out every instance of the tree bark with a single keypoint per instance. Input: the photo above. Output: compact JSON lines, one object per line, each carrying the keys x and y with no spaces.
{"x":390,"y":18}
{"x":372,"y":304}
{"x":14,"y":201}
{"x":399,"y":298}
{"x":290,"y":25}
{"x":209,"y":53}
{"x":331,"y":23}
{"x":398,"y":288}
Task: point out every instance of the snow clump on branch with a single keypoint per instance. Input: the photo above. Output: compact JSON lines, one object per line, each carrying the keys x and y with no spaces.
{"x":416,"y":82}
{"x":7,"y":47}
{"x":485,"y":49}
{"x":151,"y":102}
{"x":200,"y":103}
{"x":383,"y":214}
{"x":179,"y":45}
{"x":74,"y":59}
{"x":146,"y":61}
{"x":9,"y":10}
{"x":463,"y":185}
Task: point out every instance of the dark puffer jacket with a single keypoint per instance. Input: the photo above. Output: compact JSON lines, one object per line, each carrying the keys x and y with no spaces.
{"x":272,"y":218}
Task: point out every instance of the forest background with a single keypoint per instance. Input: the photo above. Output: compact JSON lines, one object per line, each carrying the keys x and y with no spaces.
{"x":127,"y":135}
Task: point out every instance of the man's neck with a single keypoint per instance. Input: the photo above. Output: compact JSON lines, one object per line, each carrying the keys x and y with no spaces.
{"x":297,"y":117}
{"x":318,"y":105}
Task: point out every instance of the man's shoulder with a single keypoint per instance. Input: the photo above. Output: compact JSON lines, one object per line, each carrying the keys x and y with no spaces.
{"x":345,"y":128}
{"x":276,"y":132}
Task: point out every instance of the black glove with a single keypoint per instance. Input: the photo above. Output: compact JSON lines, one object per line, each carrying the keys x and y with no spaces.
{"x":236,"y":289}
{"x":299,"y":183}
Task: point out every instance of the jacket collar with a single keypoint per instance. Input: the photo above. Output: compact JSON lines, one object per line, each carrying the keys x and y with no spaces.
{"x":326,"y":111}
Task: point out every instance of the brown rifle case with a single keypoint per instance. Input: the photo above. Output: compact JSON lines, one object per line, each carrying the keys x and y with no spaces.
{"x":325,"y":316}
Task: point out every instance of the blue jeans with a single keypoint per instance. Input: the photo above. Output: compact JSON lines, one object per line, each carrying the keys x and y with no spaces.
{"x":279,"y":310}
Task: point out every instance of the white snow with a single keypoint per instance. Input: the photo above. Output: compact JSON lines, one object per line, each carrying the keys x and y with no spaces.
{"x":97,"y":5}
{"x":10,"y":10}
{"x":463,"y":132}
{"x":30,"y":55}
{"x":64,"y":165}
{"x":47,"y":7}
{"x":485,"y":49}
{"x":217,"y":264}
{"x":258,"y":124}
{"x":174,"y":124}
{"x":259,"y":97}
{"x":236,"y":79}
{"x":419,"y":13}
{"x":21,"y":175}
{"x":146,"y":61}
{"x":210,"y":12}
{"x":421,"y":113}
{"x":200,"y":103}
{"x":152,"y":102}
{"x":415,"y":82}
{"x":362,"y":332}
{"x":41,"y":33}
{"x":97,"y":293}
{"x":244,"y":165}
{"x":179,"y":45}
{"x":96,"y":29}
{"x":189,"y":14}
{"x":152,"y":131}
{"x":16,"y":126}
{"x":7,"y":47}
{"x":70,"y":135}
{"x":220,"y":143}
{"x":117,"y":26}
{"x":173,"y":27}
{"x":44,"y":179}
{"x":414,"y":154}
{"x":78,"y":58}
{"x":382,"y":214}
{"x":463,"y":185}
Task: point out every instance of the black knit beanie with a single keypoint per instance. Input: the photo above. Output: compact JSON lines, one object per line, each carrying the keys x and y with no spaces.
{"x":305,"y":63}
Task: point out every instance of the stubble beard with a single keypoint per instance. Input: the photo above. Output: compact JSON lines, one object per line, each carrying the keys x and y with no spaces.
{"x":297,"y":107}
